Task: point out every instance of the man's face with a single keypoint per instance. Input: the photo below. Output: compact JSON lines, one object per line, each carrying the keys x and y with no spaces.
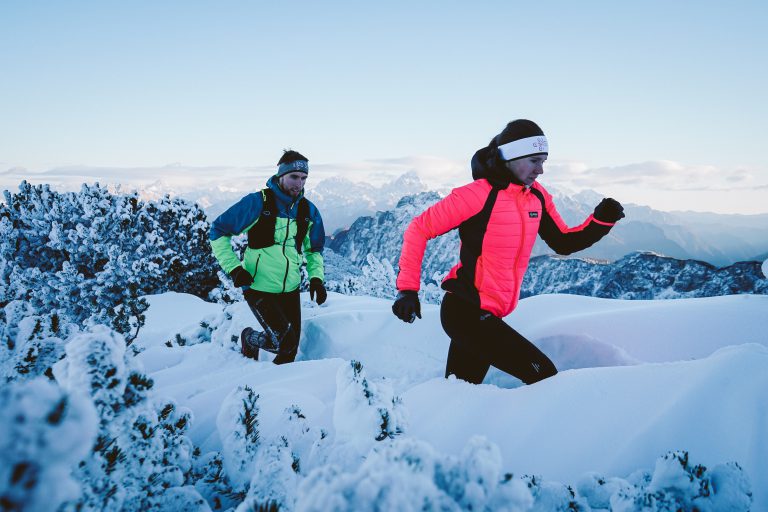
{"x":527,"y":169}
{"x":293,"y":183}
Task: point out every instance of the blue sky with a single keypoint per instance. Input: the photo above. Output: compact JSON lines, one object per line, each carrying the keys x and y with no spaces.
{"x":665,"y":99}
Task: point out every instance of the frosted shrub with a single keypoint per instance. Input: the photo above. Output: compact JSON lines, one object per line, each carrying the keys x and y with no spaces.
{"x":238,"y":427}
{"x":283,"y":462}
{"x":275,"y":477}
{"x":212,"y":482}
{"x":89,"y":256}
{"x":408,"y":475}
{"x":376,"y":278}
{"x":142,"y":457}
{"x":44,"y":432}
{"x":676,"y":484}
{"x":598,"y":489}
{"x":554,"y":496}
{"x":29,"y":343}
{"x":194,"y":334}
{"x":365,"y":410}
{"x":309,"y":444}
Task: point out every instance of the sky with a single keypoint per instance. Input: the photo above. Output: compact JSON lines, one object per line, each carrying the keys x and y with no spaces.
{"x":657,"y":103}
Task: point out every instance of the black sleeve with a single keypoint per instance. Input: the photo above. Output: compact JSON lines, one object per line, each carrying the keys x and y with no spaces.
{"x":568,"y":242}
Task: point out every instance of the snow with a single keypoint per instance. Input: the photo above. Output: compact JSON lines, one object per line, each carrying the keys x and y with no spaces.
{"x":171,"y":313}
{"x":638,"y":379}
{"x":649,"y":330}
{"x":764,"y":268}
{"x":560,"y":427}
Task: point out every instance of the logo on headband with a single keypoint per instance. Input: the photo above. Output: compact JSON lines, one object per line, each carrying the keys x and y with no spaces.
{"x":541,"y":144}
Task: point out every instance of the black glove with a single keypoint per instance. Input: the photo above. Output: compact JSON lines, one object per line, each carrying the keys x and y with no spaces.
{"x":407,"y":306}
{"x":316,"y":287}
{"x":241,"y":277}
{"x":609,"y":210}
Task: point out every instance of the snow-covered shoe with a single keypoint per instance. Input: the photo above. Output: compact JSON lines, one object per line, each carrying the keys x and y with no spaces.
{"x":251,"y":341}
{"x":248,"y":350}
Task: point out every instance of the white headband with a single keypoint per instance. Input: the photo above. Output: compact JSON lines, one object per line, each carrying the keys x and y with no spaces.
{"x":524,"y":147}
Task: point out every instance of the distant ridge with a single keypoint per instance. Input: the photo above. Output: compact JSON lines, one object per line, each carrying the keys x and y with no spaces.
{"x":638,"y":274}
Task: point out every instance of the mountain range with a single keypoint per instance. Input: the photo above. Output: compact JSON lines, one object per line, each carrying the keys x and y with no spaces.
{"x":634,"y":271}
{"x":717,"y":239}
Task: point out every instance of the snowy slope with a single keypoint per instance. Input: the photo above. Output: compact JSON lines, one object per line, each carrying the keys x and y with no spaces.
{"x":638,"y":379}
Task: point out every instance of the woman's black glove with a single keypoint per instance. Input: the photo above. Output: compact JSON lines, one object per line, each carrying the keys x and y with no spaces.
{"x":609,"y":210}
{"x":316,"y":288}
{"x":407,"y":306}
{"x":241,"y":277}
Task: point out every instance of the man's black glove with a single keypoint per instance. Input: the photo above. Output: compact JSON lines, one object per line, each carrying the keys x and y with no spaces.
{"x":241,"y":277}
{"x":316,"y":288}
{"x":407,"y":306}
{"x":609,"y":210}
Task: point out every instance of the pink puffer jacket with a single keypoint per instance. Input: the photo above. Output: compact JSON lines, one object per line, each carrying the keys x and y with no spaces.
{"x":497,"y":229}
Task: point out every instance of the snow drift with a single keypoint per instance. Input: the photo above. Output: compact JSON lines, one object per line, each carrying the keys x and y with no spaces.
{"x":656,"y":402}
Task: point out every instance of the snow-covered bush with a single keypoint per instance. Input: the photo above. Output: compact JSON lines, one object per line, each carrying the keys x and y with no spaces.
{"x":261,"y":472}
{"x":598,"y":489}
{"x":89,"y":256}
{"x":212,"y":482}
{"x":409,"y":475}
{"x":676,"y":484}
{"x":365,"y":410}
{"x":238,"y":426}
{"x":282,"y":463}
{"x":30,"y":343}
{"x":375,"y":278}
{"x":44,"y":433}
{"x":141,"y":458}
{"x":268,"y":472}
{"x":553,"y":496}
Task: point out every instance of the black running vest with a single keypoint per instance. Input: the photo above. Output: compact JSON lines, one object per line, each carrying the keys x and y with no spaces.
{"x":262,"y":234}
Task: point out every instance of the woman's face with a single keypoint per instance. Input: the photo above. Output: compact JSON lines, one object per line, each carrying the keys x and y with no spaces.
{"x":527,"y":169}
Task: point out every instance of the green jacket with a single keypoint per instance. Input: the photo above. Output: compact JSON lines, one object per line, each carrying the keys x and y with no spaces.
{"x":275,"y":269}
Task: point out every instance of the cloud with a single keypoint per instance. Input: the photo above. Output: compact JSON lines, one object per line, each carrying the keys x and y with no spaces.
{"x":15,"y":171}
{"x":662,"y":174}
{"x":175,"y":177}
{"x":650,"y":183}
{"x":434,"y":171}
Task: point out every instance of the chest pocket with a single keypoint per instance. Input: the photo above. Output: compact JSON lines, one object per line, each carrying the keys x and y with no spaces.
{"x":535,"y":207}
{"x":262,"y":234}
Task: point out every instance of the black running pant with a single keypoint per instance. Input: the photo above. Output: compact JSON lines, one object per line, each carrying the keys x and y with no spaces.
{"x":480,"y":340}
{"x":280,"y":316}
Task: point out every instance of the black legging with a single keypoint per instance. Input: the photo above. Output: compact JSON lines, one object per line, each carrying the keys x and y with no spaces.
{"x":480,"y":339}
{"x":280,"y":314}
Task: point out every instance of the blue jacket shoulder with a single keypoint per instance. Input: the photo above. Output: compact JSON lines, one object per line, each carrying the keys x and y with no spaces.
{"x":237,"y":217}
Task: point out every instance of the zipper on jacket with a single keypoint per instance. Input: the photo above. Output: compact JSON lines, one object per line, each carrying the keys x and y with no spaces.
{"x":285,"y":241}
{"x":522,"y":237}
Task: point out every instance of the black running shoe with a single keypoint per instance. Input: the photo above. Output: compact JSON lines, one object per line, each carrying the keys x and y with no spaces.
{"x":248,"y":350}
